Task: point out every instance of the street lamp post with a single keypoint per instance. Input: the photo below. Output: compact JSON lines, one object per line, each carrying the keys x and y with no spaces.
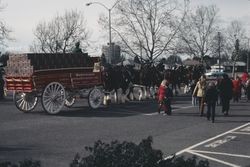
{"x":219,"y":42}
{"x":248,"y":54}
{"x":109,"y":11}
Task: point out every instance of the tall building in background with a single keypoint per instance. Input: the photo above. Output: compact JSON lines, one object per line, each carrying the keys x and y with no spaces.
{"x":112,"y":55}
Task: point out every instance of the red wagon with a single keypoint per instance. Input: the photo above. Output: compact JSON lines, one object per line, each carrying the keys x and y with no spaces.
{"x":55,"y":78}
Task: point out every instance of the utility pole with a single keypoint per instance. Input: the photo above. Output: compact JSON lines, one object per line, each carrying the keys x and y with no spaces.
{"x":219,"y":42}
{"x":248,"y":52}
{"x":111,"y":54}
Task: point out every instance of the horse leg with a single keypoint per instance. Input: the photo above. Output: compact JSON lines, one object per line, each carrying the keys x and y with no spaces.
{"x":146,"y":94}
{"x":106,"y":99}
{"x":175,"y":89}
{"x":140,"y":94}
{"x":123,"y":95}
{"x":152,"y":91}
{"x":130,"y":95}
{"x":116,"y":95}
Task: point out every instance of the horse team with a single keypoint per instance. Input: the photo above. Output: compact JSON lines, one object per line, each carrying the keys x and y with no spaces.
{"x":124,"y":80}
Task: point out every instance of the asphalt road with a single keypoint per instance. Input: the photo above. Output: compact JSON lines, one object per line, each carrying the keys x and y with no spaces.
{"x":54,"y":140}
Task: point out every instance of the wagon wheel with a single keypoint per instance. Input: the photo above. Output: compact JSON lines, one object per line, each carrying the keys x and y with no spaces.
{"x":95,"y":98}
{"x":53,"y":98}
{"x":25,"y":102}
{"x":69,"y":101}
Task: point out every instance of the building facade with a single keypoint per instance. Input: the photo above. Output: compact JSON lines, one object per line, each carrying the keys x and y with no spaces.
{"x":113,"y":54}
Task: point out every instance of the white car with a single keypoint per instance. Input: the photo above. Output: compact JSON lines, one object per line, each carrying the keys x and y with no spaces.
{"x":214,"y":76}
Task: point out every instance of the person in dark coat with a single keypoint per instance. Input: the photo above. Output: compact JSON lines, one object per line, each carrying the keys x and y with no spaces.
{"x":169,"y":96}
{"x":1,"y":85}
{"x":211,"y":98}
{"x":247,"y":85}
{"x":77,"y":48}
{"x":226,"y":93}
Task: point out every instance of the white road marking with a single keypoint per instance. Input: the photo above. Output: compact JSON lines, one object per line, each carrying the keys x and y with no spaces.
{"x":220,"y":153}
{"x":213,"y":159}
{"x":210,"y":139}
{"x":246,"y":129}
{"x":220,"y":142}
{"x":240,"y":133}
{"x":198,"y":153}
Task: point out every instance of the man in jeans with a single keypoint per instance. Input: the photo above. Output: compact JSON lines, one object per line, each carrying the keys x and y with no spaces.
{"x":226,"y":93}
{"x":199,"y":92}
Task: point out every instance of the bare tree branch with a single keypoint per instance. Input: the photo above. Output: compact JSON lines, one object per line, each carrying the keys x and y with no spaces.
{"x":61,"y":33}
{"x":147,"y":28}
{"x":199,"y":30}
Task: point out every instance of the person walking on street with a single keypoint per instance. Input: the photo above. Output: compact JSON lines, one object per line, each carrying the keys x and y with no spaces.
{"x":1,"y":85}
{"x":199,"y":92}
{"x":248,"y":89}
{"x":236,"y":89}
{"x":194,"y":98}
{"x":211,"y":98}
{"x":164,"y":98}
{"x":226,"y":93}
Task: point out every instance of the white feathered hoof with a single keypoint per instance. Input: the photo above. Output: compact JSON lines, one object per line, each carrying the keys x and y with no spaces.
{"x":123,"y":100}
{"x":132,"y":98}
{"x":140,"y":97}
{"x":105,"y":101}
{"x":108,"y":100}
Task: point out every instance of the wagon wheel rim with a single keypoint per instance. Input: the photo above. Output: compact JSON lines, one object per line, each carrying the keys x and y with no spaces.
{"x":69,"y":101}
{"x":53,"y":98}
{"x":25,"y":102}
{"x":95,"y":98}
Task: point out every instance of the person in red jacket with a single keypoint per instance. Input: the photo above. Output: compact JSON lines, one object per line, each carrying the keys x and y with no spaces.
{"x":236,"y":89}
{"x":164,"y":98}
{"x":244,"y":77}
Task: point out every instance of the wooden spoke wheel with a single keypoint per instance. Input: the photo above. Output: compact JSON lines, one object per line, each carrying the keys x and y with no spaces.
{"x":53,"y":98}
{"x":25,"y":102}
{"x":69,"y":101}
{"x":95,"y":98}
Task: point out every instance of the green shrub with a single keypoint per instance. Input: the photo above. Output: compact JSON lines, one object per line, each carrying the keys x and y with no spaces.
{"x":128,"y":154}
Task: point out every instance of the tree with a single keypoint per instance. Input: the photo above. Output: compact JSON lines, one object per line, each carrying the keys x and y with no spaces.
{"x":235,"y":31}
{"x":147,"y":28}
{"x":197,"y":33}
{"x":235,"y":35}
{"x":4,"y":30}
{"x":219,"y":47}
{"x":61,"y":33}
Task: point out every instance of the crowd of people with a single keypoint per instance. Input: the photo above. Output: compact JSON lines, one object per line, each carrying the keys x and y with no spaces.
{"x":209,"y":93}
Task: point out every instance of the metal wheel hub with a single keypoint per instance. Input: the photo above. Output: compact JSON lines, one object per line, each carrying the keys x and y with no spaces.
{"x":53,"y":98}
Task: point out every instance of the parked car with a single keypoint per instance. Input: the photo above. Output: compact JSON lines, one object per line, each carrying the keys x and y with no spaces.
{"x":214,"y":76}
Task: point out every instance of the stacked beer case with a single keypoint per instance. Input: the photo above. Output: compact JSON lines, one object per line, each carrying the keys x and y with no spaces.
{"x":26,"y":64}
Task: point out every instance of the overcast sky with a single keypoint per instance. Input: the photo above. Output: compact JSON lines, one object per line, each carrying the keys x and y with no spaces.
{"x":22,"y":16}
